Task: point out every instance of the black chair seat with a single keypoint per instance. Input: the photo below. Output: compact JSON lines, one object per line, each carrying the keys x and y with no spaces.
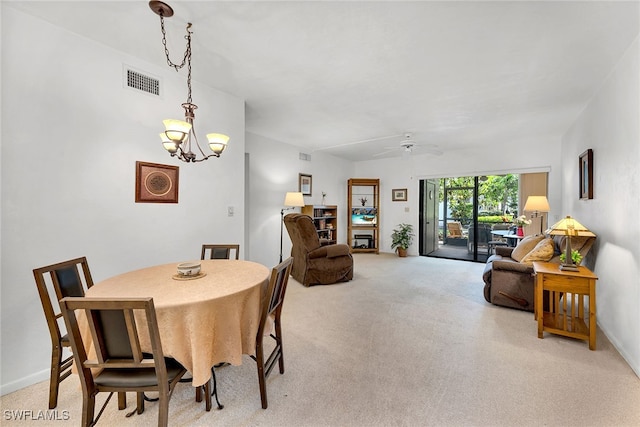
{"x":143,"y":377}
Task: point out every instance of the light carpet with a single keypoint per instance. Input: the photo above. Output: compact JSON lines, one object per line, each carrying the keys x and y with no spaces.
{"x":409,"y":342}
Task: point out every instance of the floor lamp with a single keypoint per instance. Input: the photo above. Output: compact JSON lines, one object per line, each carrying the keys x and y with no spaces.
{"x":291,"y":200}
{"x":537,"y":205}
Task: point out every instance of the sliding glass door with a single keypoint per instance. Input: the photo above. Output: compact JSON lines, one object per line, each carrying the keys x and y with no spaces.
{"x":470,"y":211}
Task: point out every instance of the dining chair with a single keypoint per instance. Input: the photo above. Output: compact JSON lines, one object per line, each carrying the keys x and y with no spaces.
{"x":219,"y":251}
{"x":63,"y":279}
{"x":120,"y":364}
{"x":271,"y":307}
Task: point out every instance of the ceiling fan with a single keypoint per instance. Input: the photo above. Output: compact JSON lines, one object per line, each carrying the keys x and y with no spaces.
{"x":408,"y":145}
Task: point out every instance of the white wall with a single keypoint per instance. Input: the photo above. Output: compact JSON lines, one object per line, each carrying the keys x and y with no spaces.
{"x":274,"y":169}
{"x":610,"y":125}
{"x":406,"y":172}
{"x":71,"y":135}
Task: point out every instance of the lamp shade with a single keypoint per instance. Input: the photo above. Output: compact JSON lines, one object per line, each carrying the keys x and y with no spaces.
{"x":294,"y":199}
{"x":169,"y":145}
{"x":569,"y":227}
{"x":217,"y":142}
{"x":176,"y":130}
{"x":537,"y":204}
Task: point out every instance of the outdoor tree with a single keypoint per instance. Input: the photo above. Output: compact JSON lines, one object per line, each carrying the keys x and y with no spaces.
{"x":496,"y":193}
{"x":501,"y":191}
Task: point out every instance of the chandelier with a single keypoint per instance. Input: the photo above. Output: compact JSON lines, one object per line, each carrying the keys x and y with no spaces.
{"x":179,"y":137}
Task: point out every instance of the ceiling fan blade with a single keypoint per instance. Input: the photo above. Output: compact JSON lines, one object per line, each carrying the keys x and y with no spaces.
{"x":384,"y":152}
{"x":431,"y":150}
{"x":346,"y":144}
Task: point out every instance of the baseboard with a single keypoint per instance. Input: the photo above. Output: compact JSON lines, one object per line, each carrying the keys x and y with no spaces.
{"x":24,"y":382}
{"x":621,"y":350}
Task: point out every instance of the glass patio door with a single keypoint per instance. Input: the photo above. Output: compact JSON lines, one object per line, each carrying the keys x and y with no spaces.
{"x":470,"y":210}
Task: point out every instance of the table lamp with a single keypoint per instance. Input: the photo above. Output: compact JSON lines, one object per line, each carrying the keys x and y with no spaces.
{"x":568,"y":227}
{"x":291,"y":200}
{"x":537,"y":204}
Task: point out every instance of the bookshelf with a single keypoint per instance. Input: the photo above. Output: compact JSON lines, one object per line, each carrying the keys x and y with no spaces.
{"x":325,"y":219}
{"x":364,"y":214}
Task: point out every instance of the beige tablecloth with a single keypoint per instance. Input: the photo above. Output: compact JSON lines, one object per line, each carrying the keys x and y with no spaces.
{"x":204,"y":321}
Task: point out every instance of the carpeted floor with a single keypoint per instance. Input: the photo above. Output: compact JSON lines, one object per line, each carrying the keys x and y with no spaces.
{"x":409,"y":342}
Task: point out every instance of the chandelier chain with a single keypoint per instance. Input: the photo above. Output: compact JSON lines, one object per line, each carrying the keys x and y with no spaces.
{"x":187,"y":52}
{"x":188,"y":56}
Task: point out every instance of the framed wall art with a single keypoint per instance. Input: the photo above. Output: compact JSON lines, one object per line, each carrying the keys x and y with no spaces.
{"x":156,"y":183}
{"x":304,"y":184}
{"x":585,"y":163}
{"x":399,"y":195}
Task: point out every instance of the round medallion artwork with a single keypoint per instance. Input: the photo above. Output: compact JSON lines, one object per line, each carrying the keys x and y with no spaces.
{"x":158,"y":183}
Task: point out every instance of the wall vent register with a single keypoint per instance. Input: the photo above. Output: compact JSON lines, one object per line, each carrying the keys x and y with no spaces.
{"x":139,"y":81}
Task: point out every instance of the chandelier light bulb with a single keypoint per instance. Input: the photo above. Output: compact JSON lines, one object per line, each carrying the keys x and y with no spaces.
{"x":168,"y":144}
{"x":176,"y":130}
{"x":217,"y":142}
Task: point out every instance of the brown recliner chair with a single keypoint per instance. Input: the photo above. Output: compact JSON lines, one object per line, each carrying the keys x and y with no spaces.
{"x":313,"y":263}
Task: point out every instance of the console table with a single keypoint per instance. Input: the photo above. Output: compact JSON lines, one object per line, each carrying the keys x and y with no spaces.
{"x":566,"y":292}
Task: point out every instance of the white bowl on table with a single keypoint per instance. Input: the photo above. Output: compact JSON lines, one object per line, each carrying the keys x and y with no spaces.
{"x":189,"y":268}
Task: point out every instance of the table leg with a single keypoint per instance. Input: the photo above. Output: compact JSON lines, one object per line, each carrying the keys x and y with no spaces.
{"x":538,"y":305}
{"x":592,"y":314}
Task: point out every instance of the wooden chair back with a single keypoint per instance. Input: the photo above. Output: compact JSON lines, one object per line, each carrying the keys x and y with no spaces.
{"x":120,"y":363}
{"x":271,"y":307}
{"x":54,"y":282}
{"x":220,"y":251}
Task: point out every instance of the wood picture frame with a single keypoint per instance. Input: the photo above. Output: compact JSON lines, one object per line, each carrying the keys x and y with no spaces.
{"x":399,"y":195}
{"x":156,"y":183}
{"x":305,"y":184}
{"x":585,"y":165}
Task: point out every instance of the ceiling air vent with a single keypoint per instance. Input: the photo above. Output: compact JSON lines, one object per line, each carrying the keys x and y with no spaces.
{"x":305,"y":157}
{"x":143,"y":82}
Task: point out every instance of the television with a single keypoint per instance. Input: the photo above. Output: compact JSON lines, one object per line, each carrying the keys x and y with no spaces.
{"x":364,"y":216}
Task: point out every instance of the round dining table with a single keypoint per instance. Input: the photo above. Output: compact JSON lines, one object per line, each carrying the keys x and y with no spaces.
{"x":203,"y":320}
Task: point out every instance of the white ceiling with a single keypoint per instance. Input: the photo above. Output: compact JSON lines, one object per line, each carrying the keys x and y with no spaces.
{"x":324,"y":75}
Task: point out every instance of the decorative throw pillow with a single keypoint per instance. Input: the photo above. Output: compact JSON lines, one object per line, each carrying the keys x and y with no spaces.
{"x":542,"y":252}
{"x":525,"y":246}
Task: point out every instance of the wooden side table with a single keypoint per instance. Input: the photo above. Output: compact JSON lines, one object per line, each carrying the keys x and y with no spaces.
{"x":567,"y":291}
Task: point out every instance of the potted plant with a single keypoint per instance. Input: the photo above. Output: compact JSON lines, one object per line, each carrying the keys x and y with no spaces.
{"x":576,"y":257}
{"x":521,"y":221}
{"x":401,"y":238}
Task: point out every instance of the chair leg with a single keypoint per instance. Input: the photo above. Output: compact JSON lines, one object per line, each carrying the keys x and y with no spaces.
{"x":163,"y":411}
{"x":88,"y":409}
{"x":207,"y":393}
{"x":206,"y":389}
{"x":54,"y":382}
{"x":278,"y":338}
{"x":262,"y":380}
{"x":140,"y":402}
{"x":122,"y":400}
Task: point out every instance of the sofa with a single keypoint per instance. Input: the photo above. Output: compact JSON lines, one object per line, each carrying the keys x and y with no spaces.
{"x":315,"y":263}
{"x":508,"y":274}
